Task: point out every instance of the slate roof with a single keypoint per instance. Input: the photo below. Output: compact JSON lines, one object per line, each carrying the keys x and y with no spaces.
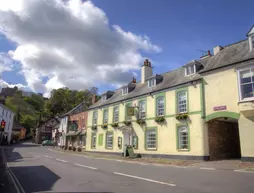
{"x":229,"y":55}
{"x":78,"y":109}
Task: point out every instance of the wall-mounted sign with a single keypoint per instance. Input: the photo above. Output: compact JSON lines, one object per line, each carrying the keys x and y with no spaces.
{"x":220,"y":108}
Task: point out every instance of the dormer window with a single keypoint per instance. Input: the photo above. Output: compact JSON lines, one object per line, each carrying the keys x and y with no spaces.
{"x":190,"y":69}
{"x":151,"y":83}
{"x":104,"y":97}
{"x":252,"y":41}
{"x":125,"y":90}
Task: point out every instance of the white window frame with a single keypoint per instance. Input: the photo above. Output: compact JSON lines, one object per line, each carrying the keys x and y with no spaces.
{"x":178,"y":101}
{"x":252,"y":40}
{"x":142,"y":111}
{"x":154,"y":131}
{"x":183,"y":129}
{"x":105,"y":116}
{"x":194,"y":69}
{"x":109,"y":140}
{"x":157,"y":106}
{"x":151,"y":82}
{"x":125,"y":90}
{"x":239,"y":83}
{"x":116,"y":114}
{"x":95,"y":118}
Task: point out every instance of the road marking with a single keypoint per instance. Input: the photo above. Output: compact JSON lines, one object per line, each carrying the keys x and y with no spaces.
{"x":244,"y":171}
{"x":85,"y":166}
{"x":143,"y":163}
{"x":145,"y":179}
{"x":119,"y":160}
{"x":61,"y":160}
{"x":48,"y":156}
{"x":207,"y":168}
{"x":15,"y":181}
{"x":180,"y":166}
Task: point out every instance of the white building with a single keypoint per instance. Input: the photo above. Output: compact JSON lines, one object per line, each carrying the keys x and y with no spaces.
{"x":8,"y":116}
{"x":62,"y":130}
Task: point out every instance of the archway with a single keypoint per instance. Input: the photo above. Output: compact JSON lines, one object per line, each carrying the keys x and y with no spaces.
{"x":223,"y":135}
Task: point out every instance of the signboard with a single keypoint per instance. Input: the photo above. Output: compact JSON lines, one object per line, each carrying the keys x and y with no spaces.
{"x":130,"y":111}
{"x":220,"y":108}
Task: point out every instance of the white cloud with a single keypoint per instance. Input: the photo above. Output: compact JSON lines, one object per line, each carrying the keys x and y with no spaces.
{"x":70,"y":43}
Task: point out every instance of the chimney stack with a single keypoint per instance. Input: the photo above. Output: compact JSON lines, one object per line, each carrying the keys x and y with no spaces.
{"x":146,"y":71}
{"x":217,"y":49}
{"x":134,"y":80}
{"x":207,"y":55}
{"x":93,"y":99}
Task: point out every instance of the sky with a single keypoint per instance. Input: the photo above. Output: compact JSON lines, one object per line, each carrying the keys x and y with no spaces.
{"x":49,"y":44}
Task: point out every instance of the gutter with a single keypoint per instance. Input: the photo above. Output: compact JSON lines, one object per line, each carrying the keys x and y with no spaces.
{"x":149,"y":93}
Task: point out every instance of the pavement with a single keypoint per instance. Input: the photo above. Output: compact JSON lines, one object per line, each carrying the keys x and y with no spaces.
{"x":40,"y":169}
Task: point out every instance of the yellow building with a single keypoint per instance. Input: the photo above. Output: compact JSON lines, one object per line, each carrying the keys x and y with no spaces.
{"x":203,"y":110}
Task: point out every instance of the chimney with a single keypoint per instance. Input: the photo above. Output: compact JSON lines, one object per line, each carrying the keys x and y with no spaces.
{"x":217,"y":49}
{"x":93,"y":99}
{"x":134,"y":80}
{"x":146,"y":71}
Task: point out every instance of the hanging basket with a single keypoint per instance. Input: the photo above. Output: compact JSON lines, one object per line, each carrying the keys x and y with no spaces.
{"x":114,"y":124}
{"x":141,"y":121}
{"x":182,"y":116}
{"x":127,"y":123}
{"x":104,"y":126}
{"x":159,"y":119}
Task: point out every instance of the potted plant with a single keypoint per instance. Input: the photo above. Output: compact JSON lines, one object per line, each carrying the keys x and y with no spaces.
{"x":182,"y":116}
{"x":104,"y":126}
{"x":114,"y":124}
{"x":70,"y":148}
{"x":159,"y":119}
{"x":79,"y":149}
{"x":141,"y":121}
{"x":127,"y":123}
{"x":94,"y":127}
{"x":74,"y":148}
{"x":65,"y":147}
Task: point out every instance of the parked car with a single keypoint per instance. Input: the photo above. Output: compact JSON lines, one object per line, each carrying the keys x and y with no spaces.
{"x":47,"y":143}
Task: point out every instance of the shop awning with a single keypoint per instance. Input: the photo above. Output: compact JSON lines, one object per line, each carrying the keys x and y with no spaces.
{"x":83,"y":132}
{"x":73,"y":133}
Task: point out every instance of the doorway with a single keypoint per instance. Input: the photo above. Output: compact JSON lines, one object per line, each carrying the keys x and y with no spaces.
{"x":223,"y":139}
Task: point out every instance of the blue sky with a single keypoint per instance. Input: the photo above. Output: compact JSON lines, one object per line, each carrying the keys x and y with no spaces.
{"x":180,"y":28}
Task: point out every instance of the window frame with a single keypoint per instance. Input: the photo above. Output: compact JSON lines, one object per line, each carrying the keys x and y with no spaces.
{"x":241,"y":99}
{"x":93,"y":136}
{"x":123,"y":90}
{"x":100,"y":139}
{"x":127,"y":118}
{"x":252,"y":40}
{"x":178,"y":141}
{"x":152,"y":80}
{"x":110,"y":133}
{"x":93,"y":123}
{"x":151,"y":129}
{"x":177,"y":100}
{"x":114,"y":115}
{"x":139,"y":109}
{"x":156,"y":106}
{"x":104,"y":97}
{"x":104,"y":120}
{"x":194,"y":69}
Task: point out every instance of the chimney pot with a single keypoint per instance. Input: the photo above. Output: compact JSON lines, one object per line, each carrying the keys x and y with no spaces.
{"x":146,"y":71}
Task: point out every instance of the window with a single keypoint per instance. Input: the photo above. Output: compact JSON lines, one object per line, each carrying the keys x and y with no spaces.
{"x":109,"y":140}
{"x":135,"y":142}
{"x":125,"y":90}
{"x":116,"y":114}
{"x":105,"y":116}
{"x":3,"y":112}
{"x":93,"y":140}
{"x":83,"y":122}
{"x":246,"y":79}
{"x":6,"y":114}
{"x":95,"y":117}
{"x":191,"y":69}
{"x":151,"y":139}
{"x":127,"y":118}
{"x":100,"y":143}
{"x":183,"y":138}
{"x":160,"y":106}
{"x":182,"y":101}
{"x":119,"y":142}
{"x":151,"y":83}
{"x":142,"y":109}
{"x":104,"y":97}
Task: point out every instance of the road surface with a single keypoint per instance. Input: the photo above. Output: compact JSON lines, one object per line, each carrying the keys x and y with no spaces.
{"x":39,"y":169}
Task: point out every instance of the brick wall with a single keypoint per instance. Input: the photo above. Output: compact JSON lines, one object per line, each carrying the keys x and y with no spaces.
{"x":81,"y":119}
{"x":224,"y":140}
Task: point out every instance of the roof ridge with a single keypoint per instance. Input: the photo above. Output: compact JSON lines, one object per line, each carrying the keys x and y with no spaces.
{"x":240,"y":41}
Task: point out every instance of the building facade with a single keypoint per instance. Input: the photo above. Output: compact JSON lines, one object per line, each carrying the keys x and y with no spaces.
{"x":203,"y":110}
{"x":7,"y":116}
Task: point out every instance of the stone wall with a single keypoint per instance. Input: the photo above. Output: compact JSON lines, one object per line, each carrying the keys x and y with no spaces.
{"x":224,"y":140}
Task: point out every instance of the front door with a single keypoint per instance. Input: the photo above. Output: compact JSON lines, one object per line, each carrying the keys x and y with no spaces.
{"x":126,"y":138}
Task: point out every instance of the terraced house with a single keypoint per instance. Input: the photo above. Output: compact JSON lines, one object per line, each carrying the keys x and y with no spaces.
{"x":202,"y":110}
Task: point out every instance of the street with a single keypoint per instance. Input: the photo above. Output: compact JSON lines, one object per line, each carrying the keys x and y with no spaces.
{"x":40,"y":169}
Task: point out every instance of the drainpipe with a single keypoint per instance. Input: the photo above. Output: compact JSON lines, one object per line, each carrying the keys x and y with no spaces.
{"x":202,"y":98}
